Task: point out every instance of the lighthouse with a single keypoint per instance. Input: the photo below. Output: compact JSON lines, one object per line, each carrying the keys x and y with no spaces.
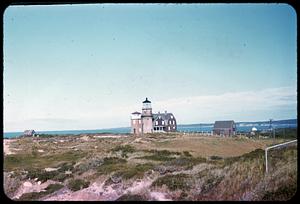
{"x":146,"y":117}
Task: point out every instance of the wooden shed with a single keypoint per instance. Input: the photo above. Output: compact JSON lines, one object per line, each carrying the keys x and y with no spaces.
{"x":224,"y":128}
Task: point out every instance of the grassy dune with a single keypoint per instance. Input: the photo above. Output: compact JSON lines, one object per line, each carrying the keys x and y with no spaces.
{"x":178,"y":167}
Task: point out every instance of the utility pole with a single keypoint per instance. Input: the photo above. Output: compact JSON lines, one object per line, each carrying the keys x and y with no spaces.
{"x":270,"y":127}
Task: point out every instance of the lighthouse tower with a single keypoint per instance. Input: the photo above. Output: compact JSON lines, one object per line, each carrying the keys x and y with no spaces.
{"x":147,"y":124}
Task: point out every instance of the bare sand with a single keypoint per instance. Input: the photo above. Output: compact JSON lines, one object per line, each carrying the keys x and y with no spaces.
{"x":6,"y":147}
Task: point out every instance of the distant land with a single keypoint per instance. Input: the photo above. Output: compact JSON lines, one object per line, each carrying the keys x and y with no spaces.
{"x":253,"y":123}
{"x":197,"y":127}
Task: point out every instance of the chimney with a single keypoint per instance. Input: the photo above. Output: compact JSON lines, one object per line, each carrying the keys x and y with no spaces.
{"x":158,"y":112}
{"x":165,"y":112}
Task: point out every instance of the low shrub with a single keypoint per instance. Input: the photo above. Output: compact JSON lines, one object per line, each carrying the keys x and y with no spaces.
{"x":37,"y":195}
{"x":77,"y":184}
{"x":124,"y":149}
{"x":283,"y":193}
{"x":187,"y":162}
{"x":111,"y":164}
{"x":160,"y":155}
{"x":187,"y":154}
{"x":174,"y":182}
{"x":135,"y":171}
{"x":130,"y":197}
{"x":41,"y":175}
{"x":215,"y":157}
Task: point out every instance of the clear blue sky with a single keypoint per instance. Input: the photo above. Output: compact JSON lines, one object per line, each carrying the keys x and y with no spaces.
{"x":90,"y":66}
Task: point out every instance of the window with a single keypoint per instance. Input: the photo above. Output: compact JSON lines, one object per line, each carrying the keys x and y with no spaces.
{"x":163,"y":122}
{"x":170,"y":122}
{"x":173,"y":122}
{"x":174,"y":127}
{"x":156,"y":122}
{"x":133,"y":121}
{"x":171,"y":116}
{"x":139,"y":121}
{"x":140,"y":129}
{"x":169,"y":128}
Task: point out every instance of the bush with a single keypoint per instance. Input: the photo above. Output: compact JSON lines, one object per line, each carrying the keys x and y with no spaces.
{"x":187,"y":162}
{"x":162,"y":155}
{"x":78,"y":184}
{"x":41,"y":175}
{"x":36,"y":195}
{"x":215,"y":157}
{"x":283,"y":193}
{"x":173,"y":182}
{"x":187,"y":154}
{"x":135,"y":171}
{"x":124,"y":149}
{"x":129,"y":197}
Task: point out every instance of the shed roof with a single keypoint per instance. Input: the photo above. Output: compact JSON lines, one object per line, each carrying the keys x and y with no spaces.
{"x":224,"y":124}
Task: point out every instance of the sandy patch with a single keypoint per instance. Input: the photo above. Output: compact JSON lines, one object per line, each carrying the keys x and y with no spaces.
{"x":6,"y":148}
{"x":31,"y":186}
{"x":110,"y":136}
{"x":51,"y":169}
{"x":159,"y":196}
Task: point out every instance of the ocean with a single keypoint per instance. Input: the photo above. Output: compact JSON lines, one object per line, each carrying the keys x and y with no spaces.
{"x":241,"y":127}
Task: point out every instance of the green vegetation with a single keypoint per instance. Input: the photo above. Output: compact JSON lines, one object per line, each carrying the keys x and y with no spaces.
{"x":29,"y":161}
{"x":253,"y":155}
{"x":283,"y":193}
{"x":111,"y":164}
{"x":77,"y":184}
{"x":173,"y":182}
{"x":187,"y":162}
{"x":43,"y":175}
{"x":91,"y":163}
{"x":284,"y":133}
{"x":211,"y":182}
{"x":187,"y":154}
{"x":37,"y":195}
{"x":136,"y":171}
{"x":124,"y":149}
{"x":130,"y":197}
{"x":162,"y":155}
{"x":215,"y":157}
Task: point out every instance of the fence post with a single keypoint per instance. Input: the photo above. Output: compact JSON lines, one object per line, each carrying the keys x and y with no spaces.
{"x":266,"y":155}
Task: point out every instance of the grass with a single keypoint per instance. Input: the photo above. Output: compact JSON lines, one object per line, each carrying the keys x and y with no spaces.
{"x":173,"y":182}
{"x":136,"y":171}
{"x":124,"y":149}
{"x":187,"y":162}
{"x":37,"y":195}
{"x":283,"y":193}
{"x":130,"y":197}
{"x":77,"y":184}
{"x":160,"y":155}
{"x":29,"y":161}
{"x":111,"y":164}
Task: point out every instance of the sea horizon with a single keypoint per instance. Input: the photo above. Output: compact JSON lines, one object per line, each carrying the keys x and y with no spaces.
{"x":195,"y":127}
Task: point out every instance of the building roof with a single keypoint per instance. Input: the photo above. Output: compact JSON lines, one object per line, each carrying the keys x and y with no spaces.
{"x":224,"y":124}
{"x":136,"y":113}
{"x":146,"y":101}
{"x":29,"y":131}
{"x":164,"y":116}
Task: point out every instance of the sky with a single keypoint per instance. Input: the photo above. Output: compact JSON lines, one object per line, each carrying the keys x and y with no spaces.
{"x":69,"y":67}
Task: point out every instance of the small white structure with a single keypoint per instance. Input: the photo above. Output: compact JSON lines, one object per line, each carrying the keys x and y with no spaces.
{"x":253,"y":131}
